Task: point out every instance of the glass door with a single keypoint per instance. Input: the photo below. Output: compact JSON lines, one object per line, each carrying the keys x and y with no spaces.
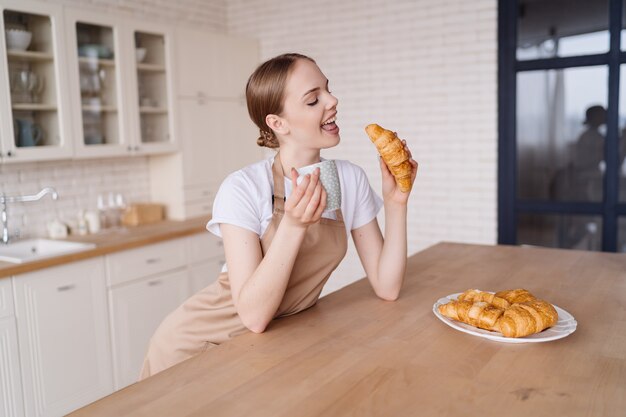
{"x":153,"y":100}
{"x":36,"y":130}
{"x":562,"y":124}
{"x":95,"y":59}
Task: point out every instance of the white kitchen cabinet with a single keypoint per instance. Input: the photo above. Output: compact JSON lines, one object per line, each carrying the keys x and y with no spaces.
{"x":34,"y":106}
{"x":217,"y":136}
{"x":205,"y":258}
{"x":63,"y":336}
{"x":145,"y":284}
{"x":122,"y":99}
{"x":11,"y":402}
{"x":137,"y":309}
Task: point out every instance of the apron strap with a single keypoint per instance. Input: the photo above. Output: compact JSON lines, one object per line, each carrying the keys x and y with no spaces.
{"x":278,"y":198}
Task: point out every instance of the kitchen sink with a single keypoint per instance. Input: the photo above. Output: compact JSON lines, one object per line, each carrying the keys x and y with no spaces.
{"x":29,"y":250}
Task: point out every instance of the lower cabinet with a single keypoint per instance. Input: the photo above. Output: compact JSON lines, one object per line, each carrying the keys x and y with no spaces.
{"x":72,"y":334}
{"x":63,"y":336}
{"x":203,"y":274}
{"x":137,"y":309}
{"x":11,"y":404}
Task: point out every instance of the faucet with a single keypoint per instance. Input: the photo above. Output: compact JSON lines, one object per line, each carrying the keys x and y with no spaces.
{"x":4,"y":199}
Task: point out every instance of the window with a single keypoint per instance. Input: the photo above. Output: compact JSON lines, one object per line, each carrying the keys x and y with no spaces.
{"x":562,"y":124}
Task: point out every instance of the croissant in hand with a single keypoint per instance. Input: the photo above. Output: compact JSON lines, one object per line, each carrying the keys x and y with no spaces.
{"x":393,"y":154}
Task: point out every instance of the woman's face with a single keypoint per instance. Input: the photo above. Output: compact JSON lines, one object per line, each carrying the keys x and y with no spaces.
{"x":310,"y":109}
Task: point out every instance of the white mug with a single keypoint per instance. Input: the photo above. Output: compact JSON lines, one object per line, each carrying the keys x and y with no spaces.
{"x":330,"y":180}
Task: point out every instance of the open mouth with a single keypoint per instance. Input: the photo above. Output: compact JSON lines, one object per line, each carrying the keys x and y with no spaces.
{"x":330,"y":125}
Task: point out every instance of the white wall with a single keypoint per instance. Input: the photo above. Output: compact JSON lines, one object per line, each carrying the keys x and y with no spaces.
{"x":424,"y":68}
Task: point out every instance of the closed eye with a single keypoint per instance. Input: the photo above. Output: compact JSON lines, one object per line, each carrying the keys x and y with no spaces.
{"x":313,"y":103}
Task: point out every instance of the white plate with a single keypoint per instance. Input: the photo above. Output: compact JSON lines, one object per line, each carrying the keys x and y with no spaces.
{"x":564,"y":326}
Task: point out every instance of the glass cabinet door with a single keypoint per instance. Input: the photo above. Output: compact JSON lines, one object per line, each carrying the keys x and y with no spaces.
{"x":32,"y":77}
{"x":97,"y":60}
{"x":152,"y":89}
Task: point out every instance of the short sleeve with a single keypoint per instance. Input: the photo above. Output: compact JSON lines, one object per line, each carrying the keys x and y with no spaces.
{"x":368,"y":203}
{"x":235,"y":204}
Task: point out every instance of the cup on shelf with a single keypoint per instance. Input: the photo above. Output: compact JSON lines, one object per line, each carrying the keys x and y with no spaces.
{"x":18,"y":39}
{"x":28,"y":133}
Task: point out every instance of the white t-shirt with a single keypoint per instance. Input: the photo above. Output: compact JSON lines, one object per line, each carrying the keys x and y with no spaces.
{"x":245,"y":198}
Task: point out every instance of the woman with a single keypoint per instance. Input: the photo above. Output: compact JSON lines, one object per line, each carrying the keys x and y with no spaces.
{"x":280,"y":245}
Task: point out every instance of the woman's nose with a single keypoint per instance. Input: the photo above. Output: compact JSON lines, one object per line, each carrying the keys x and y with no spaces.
{"x":332,"y":102}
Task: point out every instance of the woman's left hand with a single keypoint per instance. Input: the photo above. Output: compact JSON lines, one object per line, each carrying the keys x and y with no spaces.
{"x":391,"y":190}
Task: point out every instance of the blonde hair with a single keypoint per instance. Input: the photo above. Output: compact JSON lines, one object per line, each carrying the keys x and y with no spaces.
{"x":265,"y":93}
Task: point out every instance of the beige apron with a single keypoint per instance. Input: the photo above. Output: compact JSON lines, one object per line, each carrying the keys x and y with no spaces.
{"x":209,"y":317}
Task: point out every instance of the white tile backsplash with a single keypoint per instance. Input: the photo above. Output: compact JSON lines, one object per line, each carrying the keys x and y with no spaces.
{"x":78,"y":184}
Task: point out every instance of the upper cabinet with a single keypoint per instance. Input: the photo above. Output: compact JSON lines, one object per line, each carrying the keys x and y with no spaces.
{"x":214,"y":66}
{"x":95,"y":55}
{"x":34,"y":109}
{"x":121,"y":85}
{"x":75,"y":83}
{"x":152,"y":89}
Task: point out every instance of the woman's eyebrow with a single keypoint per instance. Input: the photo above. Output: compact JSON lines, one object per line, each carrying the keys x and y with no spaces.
{"x":314,"y":89}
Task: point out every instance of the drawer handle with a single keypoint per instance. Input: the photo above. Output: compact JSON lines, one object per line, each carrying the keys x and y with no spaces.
{"x":66,"y":287}
{"x":154,"y":283}
{"x":153,"y":260}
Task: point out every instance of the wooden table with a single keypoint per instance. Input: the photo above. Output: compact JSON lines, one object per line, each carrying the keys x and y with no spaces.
{"x":353,"y":354}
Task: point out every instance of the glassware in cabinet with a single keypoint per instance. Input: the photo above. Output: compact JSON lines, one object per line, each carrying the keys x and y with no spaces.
{"x":32,"y":79}
{"x":152,"y":92}
{"x":97,"y":62}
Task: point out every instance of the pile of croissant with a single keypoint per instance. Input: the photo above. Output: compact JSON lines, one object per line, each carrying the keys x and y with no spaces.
{"x":514,"y":313}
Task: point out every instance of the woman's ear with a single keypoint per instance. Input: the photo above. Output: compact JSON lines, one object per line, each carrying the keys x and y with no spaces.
{"x":277,"y":124}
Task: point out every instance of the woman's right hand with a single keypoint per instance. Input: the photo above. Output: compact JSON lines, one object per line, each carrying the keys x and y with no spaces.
{"x":307,"y":201}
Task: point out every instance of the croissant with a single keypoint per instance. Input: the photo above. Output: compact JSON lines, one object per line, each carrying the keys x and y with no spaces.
{"x":526,"y":318}
{"x":515,"y":296}
{"x":523,"y":315}
{"x":478,"y":314}
{"x":476,"y":295}
{"x":392,"y":151}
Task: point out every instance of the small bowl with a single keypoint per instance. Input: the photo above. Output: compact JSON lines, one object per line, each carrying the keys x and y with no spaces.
{"x":140,"y":54}
{"x":17,"y":39}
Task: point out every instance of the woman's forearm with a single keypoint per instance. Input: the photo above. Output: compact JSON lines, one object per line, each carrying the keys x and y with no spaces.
{"x":263,"y":292}
{"x":392,"y":262}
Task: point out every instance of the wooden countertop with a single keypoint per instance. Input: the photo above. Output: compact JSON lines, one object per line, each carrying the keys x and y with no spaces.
{"x":113,"y":240}
{"x":353,"y":354}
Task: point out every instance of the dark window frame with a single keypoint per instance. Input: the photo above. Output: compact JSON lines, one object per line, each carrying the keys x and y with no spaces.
{"x":509,"y":206}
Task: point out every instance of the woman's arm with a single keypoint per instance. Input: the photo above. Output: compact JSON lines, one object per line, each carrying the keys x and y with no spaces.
{"x":258,"y":283}
{"x":384,"y":259}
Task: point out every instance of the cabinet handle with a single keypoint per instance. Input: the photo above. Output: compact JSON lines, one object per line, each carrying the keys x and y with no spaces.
{"x":153,"y":260}
{"x":10,"y":153}
{"x":66,"y":287}
{"x":154,"y":283}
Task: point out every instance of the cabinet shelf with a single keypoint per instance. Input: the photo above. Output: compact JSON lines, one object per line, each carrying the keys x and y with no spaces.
{"x":99,"y":108}
{"x":34,"y":107}
{"x":85,"y":60}
{"x":150,"y":67}
{"x":152,"y":110}
{"x":29,"y":55}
